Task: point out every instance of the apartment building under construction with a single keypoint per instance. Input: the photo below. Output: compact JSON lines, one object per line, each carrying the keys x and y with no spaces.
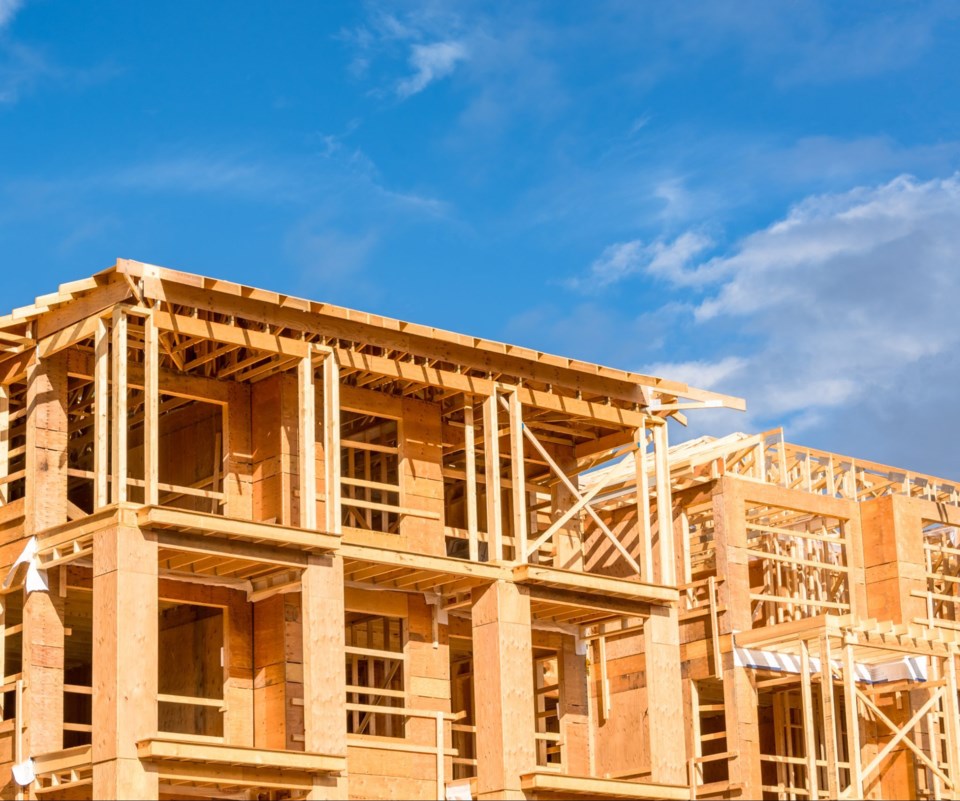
{"x":257,"y":547}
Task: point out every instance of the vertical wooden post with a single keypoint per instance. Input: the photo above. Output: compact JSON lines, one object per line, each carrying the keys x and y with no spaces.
{"x":125,"y":658}
{"x":324,"y":679}
{"x":46,"y":446}
{"x":46,"y":506}
{"x":668,"y":573}
{"x":661,"y":645}
{"x":4,"y":440}
{"x":853,"y":721}
{"x":643,"y":505}
{"x":809,"y":734}
{"x":491,"y":465}
{"x":101,"y":416}
{"x":119,"y":395}
{"x":470,"y":452}
{"x":518,"y":479}
{"x":308,"y":443}
{"x":827,"y":703}
{"x":41,"y":711}
{"x":604,"y":705}
{"x":696,"y":751}
{"x":951,"y":716}
{"x":331,"y":442}
{"x":503,"y":666}
{"x":782,"y":454}
{"x":151,"y":411}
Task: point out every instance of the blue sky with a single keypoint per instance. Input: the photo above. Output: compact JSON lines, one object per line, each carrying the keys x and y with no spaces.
{"x":757,"y":197}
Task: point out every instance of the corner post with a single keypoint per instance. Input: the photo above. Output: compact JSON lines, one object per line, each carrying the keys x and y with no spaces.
{"x":491,"y":466}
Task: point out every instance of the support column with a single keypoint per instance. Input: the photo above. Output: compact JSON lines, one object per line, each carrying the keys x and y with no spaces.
{"x":503,"y":667}
{"x":742,"y":725}
{"x":739,"y":694}
{"x":491,"y":466}
{"x":46,"y":506}
{"x":665,"y":728}
{"x":151,"y":411}
{"x":470,"y":453}
{"x":125,"y":614}
{"x":308,"y":443}
{"x":643,"y":505}
{"x":808,"y":722}
{"x":324,"y":678}
{"x":101,"y":416}
{"x":46,"y":454}
{"x":517,"y":479}
{"x":118,"y":440}
{"x":665,"y":553}
{"x":331,"y":443}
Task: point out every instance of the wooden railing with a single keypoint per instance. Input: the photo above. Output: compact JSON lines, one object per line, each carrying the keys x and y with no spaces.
{"x":218,"y":704}
{"x":401,"y":745}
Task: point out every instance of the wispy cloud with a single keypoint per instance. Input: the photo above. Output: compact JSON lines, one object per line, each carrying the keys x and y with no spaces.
{"x":428,"y":38}
{"x":21,"y":69}
{"x":430,"y":62}
{"x":669,"y":259}
{"x":8,"y":10}
{"x":197,"y":173}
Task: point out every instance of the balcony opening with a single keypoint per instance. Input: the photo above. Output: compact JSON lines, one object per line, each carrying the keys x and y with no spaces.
{"x":191,"y":676}
{"x":375,"y":675}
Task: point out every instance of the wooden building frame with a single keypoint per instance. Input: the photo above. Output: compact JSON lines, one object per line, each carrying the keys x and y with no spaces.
{"x":260,"y":547}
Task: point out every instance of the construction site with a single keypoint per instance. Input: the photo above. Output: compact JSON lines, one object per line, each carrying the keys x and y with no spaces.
{"x":258,"y":547}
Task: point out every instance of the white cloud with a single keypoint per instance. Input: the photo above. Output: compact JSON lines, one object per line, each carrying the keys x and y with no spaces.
{"x":849,"y":302}
{"x":669,"y":259}
{"x":8,"y":9}
{"x":430,"y":62}
{"x":703,"y":374}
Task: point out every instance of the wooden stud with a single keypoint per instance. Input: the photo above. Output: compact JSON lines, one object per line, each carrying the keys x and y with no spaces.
{"x":331,"y":443}
{"x":809,"y":732}
{"x":491,"y":464}
{"x":517,"y":478}
{"x":828,"y":712}
{"x":668,"y":574}
{"x":308,"y":445}
{"x":151,"y":406}
{"x":4,"y":440}
{"x":119,"y":394}
{"x":101,"y":416}
{"x":470,"y":453}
